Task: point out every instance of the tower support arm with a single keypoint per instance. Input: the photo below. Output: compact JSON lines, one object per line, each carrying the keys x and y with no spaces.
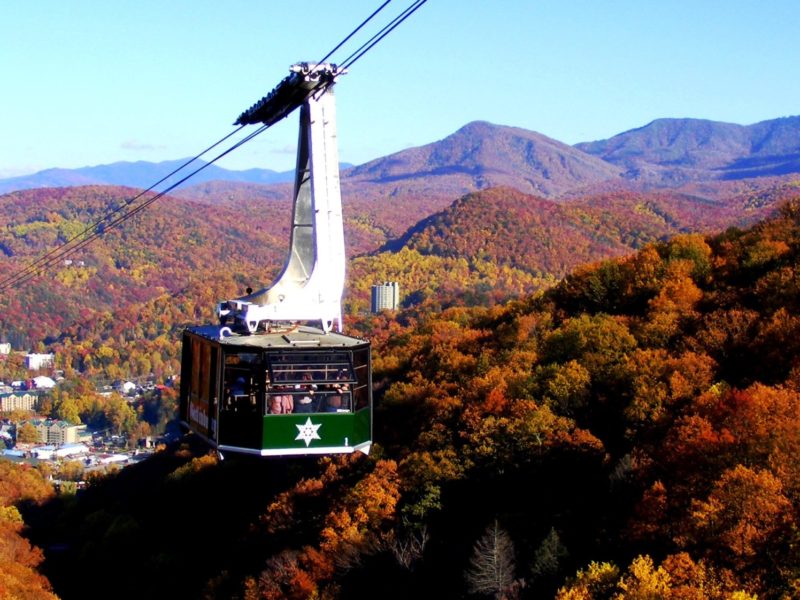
{"x":311,"y":285}
{"x":292,"y":92}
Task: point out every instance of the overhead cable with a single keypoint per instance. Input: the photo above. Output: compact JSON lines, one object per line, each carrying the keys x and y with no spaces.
{"x":45,"y":261}
{"x":111,"y":220}
{"x":386,"y":30}
{"x":106,"y":223}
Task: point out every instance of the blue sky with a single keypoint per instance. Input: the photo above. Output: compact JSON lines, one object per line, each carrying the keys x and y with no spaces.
{"x":89,"y":82}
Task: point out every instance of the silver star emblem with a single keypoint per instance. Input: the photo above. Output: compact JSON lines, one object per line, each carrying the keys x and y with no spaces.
{"x":308,"y":431}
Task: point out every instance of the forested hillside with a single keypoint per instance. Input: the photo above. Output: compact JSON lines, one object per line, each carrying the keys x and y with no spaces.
{"x":114,"y":309}
{"x":631,"y":433}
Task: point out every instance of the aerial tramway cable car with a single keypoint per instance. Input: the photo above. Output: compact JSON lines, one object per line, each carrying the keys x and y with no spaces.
{"x":262,"y":381}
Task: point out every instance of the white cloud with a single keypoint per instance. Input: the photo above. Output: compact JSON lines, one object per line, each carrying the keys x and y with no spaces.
{"x":135,"y":145}
{"x":284,"y":150}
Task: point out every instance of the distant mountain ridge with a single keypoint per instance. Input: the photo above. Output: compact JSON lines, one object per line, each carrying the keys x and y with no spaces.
{"x":669,"y":151}
{"x":140,"y":174}
{"x":480,"y":155}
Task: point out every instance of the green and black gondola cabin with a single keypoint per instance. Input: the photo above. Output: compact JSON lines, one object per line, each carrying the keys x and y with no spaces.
{"x":302,"y":391}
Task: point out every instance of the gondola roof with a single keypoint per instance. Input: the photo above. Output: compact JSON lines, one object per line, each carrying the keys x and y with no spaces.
{"x":298,"y":337}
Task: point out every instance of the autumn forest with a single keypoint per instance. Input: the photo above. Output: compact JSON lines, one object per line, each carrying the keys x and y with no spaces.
{"x":588,"y":398}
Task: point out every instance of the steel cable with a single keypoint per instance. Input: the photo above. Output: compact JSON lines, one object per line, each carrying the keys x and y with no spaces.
{"x":99,"y":227}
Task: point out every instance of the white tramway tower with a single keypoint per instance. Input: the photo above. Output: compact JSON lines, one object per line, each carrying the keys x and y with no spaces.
{"x":311,"y":284}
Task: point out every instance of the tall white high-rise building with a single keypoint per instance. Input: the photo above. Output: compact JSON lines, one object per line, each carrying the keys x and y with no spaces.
{"x":385,"y":296}
{"x":34,"y":361}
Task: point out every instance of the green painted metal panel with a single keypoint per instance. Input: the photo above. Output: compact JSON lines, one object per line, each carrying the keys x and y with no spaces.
{"x":316,"y":430}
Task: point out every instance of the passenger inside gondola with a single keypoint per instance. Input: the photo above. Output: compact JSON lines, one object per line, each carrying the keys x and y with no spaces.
{"x":305,"y":395}
{"x":241,"y":397}
{"x":334,"y":403}
{"x":338,"y":400}
{"x":281,"y":404}
{"x":238,"y":388}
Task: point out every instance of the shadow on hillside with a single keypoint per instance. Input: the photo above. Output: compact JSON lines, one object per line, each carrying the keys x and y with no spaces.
{"x":164,"y":527}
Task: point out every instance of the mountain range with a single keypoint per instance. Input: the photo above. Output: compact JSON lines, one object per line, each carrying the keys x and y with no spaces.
{"x":486,"y":214}
{"x":140,"y":174}
{"x":663,"y":153}
{"x":669,"y":151}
